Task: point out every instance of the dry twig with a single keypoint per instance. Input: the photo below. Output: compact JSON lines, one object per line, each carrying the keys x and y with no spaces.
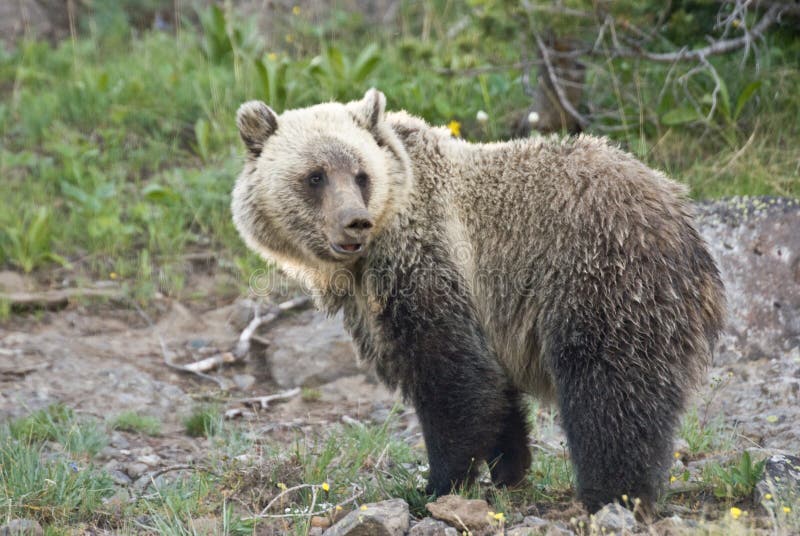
{"x":263,"y":401}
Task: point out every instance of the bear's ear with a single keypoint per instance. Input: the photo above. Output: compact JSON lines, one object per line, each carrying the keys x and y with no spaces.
{"x":256,"y":122}
{"x":369,"y":110}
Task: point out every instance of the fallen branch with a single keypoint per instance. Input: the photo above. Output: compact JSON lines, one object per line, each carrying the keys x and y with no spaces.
{"x":210,"y":363}
{"x":263,"y":401}
{"x":243,"y":346}
{"x":52,"y":300}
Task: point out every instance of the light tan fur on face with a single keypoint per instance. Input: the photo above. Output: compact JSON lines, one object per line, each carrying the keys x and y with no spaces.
{"x":267,"y":212}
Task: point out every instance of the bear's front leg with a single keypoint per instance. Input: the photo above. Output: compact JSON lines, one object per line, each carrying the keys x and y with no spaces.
{"x":461,"y":409}
{"x":439,"y":355}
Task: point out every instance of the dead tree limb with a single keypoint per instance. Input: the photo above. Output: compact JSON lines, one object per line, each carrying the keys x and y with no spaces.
{"x":551,"y":73}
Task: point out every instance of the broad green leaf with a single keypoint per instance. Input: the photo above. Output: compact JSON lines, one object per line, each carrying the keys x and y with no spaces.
{"x":680,"y":116}
{"x":745,"y":96}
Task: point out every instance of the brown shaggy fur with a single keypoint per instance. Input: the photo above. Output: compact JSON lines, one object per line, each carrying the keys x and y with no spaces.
{"x":564,"y":269}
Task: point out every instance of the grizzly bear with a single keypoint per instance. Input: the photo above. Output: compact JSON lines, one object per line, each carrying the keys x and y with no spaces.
{"x":471,"y":274}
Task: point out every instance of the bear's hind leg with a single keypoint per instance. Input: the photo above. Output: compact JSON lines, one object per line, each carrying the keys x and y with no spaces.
{"x":619,"y":413}
{"x":510,"y":458}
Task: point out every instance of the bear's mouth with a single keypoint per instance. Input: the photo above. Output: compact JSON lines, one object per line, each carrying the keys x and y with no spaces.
{"x":347,"y":249}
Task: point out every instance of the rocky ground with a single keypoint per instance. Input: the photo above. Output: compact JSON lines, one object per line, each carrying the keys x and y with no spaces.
{"x":103,"y":357}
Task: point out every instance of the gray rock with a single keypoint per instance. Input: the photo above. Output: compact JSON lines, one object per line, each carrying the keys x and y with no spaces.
{"x":432,"y":527}
{"x":244,"y":382}
{"x":757,"y":248}
{"x":780,"y":482}
{"x":615,"y":517}
{"x":541,"y":527}
{"x":756,"y":244}
{"x":120,"y":478}
{"x":136,"y":469}
{"x":119,"y":441}
{"x":385,"y":518}
{"x":311,"y":349}
{"x":21,"y":527}
{"x":149,"y":459}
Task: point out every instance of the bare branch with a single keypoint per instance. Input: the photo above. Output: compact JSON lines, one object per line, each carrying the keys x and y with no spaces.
{"x":770,"y":17}
{"x":562,"y":98}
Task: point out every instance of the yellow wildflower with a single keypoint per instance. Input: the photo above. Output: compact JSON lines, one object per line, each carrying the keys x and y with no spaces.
{"x":499,"y":516}
{"x":296,"y":10}
{"x":677,"y":454}
{"x":363,"y":507}
{"x":272,"y":56}
{"x":338,"y":507}
{"x":786,"y":510}
{"x":113,"y":275}
{"x":281,"y":486}
{"x":455,"y":128}
{"x":672,"y":479}
{"x":325,"y":486}
{"x":624,"y":498}
{"x":735,"y":512}
{"x":768,"y":496}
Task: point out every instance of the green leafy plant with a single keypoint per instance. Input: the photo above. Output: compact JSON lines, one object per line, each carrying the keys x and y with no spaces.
{"x":27,"y":245}
{"x":736,"y":480}
{"x":342,"y":77}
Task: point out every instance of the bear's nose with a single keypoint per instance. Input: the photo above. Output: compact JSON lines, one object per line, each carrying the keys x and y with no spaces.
{"x":355,"y":220}
{"x":359,"y":224}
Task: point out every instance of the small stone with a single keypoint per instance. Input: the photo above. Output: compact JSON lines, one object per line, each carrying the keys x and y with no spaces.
{"x":536,"y":526}
{"x":149,"y":459}
{"x":244,"y":382}
{"x":615,"y":517}
{"x":469,"y":514}
{"x":385,"y":518}
{"x":107,"y":453}
{"x":120,"y":478}
{"x":21,"y":527}
{"x":320,"y":521}
{"x":135,"y":469}
{"x":118,"y":441}
{"x":432,"y":527}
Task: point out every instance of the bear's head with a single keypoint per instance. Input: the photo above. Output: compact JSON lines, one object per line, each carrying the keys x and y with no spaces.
{"x":319,"y":182}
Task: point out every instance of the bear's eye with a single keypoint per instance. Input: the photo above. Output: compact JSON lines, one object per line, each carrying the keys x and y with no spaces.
{"x":315,"y":179}
{"x":362,"y":179}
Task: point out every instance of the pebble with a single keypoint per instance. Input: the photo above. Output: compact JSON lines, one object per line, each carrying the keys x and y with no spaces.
{"x":432,"y":527}
{"x":385,"y":518}
{"x":244,"y":382}
{"x":615,"y":517}
{"x":136,"y":469}
{"x":149,"y":459}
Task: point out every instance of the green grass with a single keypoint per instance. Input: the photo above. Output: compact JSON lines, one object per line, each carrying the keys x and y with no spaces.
{"x":118,"y":150}
{"x":51,"y":488}
{"x":131,"y":421}
{"x":204,"y":421}
{"x":61,"y":425}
